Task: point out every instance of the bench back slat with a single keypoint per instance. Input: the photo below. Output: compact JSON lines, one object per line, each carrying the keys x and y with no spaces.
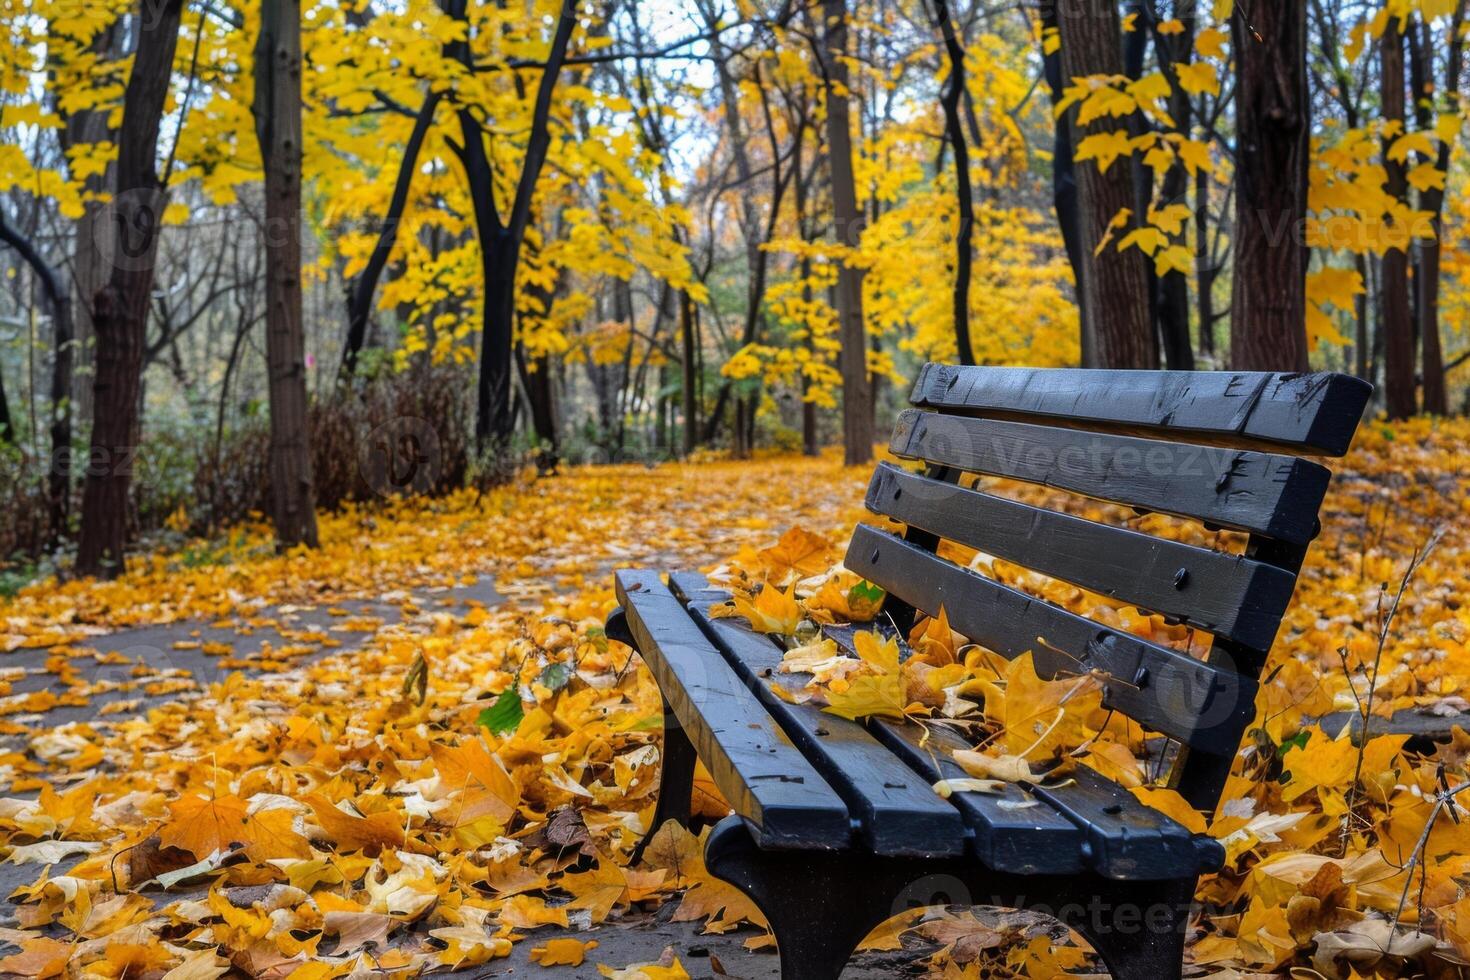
{"x":1261,"y":493}
{"x":1222,"y":448}
{"x":1206,"y":706}
{"x":1223,"y":594}
{"x":1307,"y":413}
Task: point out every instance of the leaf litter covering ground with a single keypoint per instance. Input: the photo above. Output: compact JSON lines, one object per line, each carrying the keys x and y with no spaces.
{"x":393,"y":809}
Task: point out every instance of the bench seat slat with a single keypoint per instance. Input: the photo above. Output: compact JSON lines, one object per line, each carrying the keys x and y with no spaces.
{"x":1011,"y":831}
{"x":764,"y":777}
{"x":1308,"y":413}
{"x":1205,"y":706}
{"x":1093,"y":821}
{"x":1259,"y":493}
{"x":1227,"y":595}
{"x":1127,"y":839}
{"x":901,"y":815}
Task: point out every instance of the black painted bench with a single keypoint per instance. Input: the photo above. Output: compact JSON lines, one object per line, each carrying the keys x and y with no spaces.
{"x":836,"y":827}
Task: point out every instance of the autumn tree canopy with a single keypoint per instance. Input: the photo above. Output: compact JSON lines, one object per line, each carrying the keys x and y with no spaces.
{"x":587,"y":231}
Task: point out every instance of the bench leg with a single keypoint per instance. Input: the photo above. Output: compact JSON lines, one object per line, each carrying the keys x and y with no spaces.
{"x":676,"y":759}
{"x":819,"y":905}
{"x":675,"y":780}
{"x":1140,"y":929}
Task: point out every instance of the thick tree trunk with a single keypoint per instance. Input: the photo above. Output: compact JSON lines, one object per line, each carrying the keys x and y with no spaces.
{"x":1114,"y":283}
{"x":1395,"y":320}
{"x":954,"y":91}
{"x":278,"y":127}
{"x":92,"y":249}
{"x":1269,"y":302}
{"x":120,"y":308}
{"x":857,"y":389}
{"x":1064,"y":190}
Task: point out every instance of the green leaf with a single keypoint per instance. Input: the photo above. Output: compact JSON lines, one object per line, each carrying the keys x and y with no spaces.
{"x":864,"y":591}
{"x":505,"y":714}
{"x":1297,"y":741}
{"x":555,"y":676}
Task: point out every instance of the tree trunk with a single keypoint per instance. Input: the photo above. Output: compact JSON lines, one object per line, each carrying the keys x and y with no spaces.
{"x":1269,"y":303}
{"x":1205,"y":265}
{"x":1395,"y":320}
{"x":1360,"y":308}
{"x":691,"y":371}
{"x":541,"y":397}
{"x":954,"y":90}
{"x":7,"y":427}
{"x":1064,"y":190}
{"x":360,"y":292}
{"x":278,"y":127}
{"x":120,"y":308}
{"x":500,"y":241}
{"x":92,"y":249}
{"x":58,"y":298}
{"x":1431,"y":200}
{"x":857,"y":392}
{"x":1114,"y":283}
{"x":1171,"y":302}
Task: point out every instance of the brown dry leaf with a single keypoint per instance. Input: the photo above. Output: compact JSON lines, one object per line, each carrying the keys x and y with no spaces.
{"x":1006,"y":768}
{"x":1366,"y":945}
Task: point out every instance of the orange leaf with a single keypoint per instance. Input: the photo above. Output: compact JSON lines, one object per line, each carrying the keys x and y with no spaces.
{"x":202,"y":826}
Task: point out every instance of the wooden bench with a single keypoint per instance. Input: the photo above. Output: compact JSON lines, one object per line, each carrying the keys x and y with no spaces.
{"x":836,"y":827}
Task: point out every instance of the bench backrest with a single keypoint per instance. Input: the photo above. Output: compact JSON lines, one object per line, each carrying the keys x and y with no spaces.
{"x":1220,"y":448}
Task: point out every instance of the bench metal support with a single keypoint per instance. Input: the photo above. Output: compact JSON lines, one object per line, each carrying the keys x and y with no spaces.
{"x":820,"y":905}
{"x":675,"y":781}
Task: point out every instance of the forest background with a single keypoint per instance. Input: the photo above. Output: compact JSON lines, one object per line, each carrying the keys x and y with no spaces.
{"x":264,"y":259}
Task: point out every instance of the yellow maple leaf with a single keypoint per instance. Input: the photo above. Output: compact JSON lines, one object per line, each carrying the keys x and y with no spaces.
{"x":1211,"y":43}
{"x":41,"y":958}
{"x":1198,"y":78}
{"x":674,"y":970}
{"x":799,"y":554}
{"x":869,"y":695}
{"x":562,"y":952}
{"x":1105,"y":148}
{"x":773,"y":611}
{"x":1196,"y":156}
{"x":845,"y":598}
{"x":877,"y":650}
